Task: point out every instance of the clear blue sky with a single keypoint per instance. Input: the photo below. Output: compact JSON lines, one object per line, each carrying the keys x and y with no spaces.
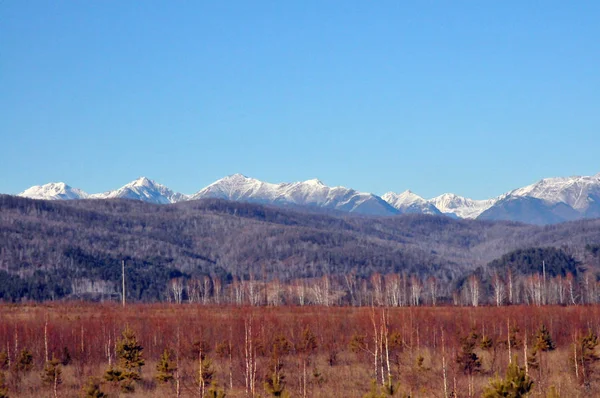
{"x":471,"y":97}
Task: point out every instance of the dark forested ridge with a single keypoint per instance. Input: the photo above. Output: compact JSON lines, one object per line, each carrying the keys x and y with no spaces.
{"x":54,"y":249}
{"x":550,"y":260}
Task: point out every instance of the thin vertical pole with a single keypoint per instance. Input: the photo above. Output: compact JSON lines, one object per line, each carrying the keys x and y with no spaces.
{"x":123,"y":273}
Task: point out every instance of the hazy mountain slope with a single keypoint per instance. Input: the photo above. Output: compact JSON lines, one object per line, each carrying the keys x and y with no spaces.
{"x":549,"y":201}
{"x":85,"y":241}
{"x":529,"y":210}
{"x":221,"y":229}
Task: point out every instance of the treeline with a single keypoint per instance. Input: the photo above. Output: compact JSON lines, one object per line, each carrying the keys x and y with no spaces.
{"x":74,"y":249}
{"x":212,"y":351}
{"x":563,"y":284}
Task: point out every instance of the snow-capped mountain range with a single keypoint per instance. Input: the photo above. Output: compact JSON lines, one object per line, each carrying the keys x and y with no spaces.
{"x":548,"y":201}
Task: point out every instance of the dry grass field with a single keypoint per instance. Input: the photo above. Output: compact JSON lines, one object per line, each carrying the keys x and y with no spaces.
{"x":293,"y":351}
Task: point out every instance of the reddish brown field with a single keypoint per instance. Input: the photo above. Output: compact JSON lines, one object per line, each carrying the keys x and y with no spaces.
{"x":343,"y":360}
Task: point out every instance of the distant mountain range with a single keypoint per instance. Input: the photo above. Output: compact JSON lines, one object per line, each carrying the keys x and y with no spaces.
{"x":549,"y":201}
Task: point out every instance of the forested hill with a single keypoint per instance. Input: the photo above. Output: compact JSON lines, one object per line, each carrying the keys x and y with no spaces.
{"x":52,"y":249}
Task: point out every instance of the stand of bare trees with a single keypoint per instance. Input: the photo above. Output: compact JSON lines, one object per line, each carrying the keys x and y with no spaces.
{"x":390,"y":290}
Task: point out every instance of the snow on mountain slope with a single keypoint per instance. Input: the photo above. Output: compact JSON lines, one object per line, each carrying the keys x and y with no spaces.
{"x":460,"y":206}
{"x":306,"y":193}
{"x":145,"y":190}
{"x":529,"y":210}
{"x":547,"y":201}
{"x":54,"y":191}
{"x":238,"y":187}
{"x":311,"y":192}
{"x":579,"y":192}
{"x":409,"y":202}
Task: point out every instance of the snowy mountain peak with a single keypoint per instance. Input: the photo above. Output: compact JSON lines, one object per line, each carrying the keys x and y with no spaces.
{"x":236,"y":187}
{"x":236,"y":177}
{"x":54,"y":191}
{"x":447,"y":196}
{"x":314,"y":181}
{"x":142,"y":182}
{"x":460,"y":206}
{"x":403,"y":198}
{"x":409,"y":202}
{"x":575,"y":191}
{"x":143,"y":189}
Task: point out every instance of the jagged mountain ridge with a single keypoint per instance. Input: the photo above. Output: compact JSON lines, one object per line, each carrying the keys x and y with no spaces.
{"x":236,"y":187}
{"x":579,"y":192}
{"x":548,"y":201}
{"x":306,"y":193}
{"x":145,"y":190}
